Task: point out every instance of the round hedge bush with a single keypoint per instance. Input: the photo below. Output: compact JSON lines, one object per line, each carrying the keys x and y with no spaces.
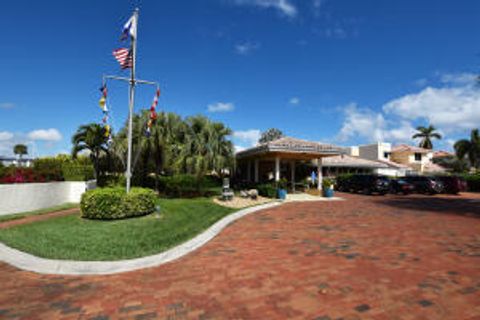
{"x":115,"y":203}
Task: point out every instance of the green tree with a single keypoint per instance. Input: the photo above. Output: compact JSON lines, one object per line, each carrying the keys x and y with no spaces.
{"x":469,"y":148}
{"x":270,"y":135}
{"x":90,"y":137}
{"x":20,"y":150}
{"x":426,"y":134}
{"x":204,"y":147}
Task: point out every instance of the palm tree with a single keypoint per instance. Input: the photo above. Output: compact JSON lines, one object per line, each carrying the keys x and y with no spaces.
{"x":470,"y":148}
{"x":90,"y":137}
{"x":20,"y":150}
{"x":426,"y":134}
{"x":205,"y":147}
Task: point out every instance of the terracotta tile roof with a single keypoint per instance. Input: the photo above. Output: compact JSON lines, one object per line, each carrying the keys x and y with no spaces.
{"x":433,"y":167}
{"x":407,"y":148}
{"x":395,"y":165}
{"x":349,"y":161}
{"x":442,"y":154}
{"x":292,"y":145}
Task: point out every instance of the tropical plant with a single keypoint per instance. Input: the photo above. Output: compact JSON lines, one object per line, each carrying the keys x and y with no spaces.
{"x":195,"y":146}
{"x":270,"y":135}
{"x":469,"y":148}
{"x":426,"y":134}
{"x":204,"y":147}
{"x":90,"y":137}
{"x":20,"y":150}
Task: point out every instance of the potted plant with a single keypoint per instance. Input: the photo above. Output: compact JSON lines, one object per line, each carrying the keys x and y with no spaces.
{"x":327,"y":188}
{"x":282,"y":189}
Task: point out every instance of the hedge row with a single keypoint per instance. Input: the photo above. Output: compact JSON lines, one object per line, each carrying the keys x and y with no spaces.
{"x":115,"y":203}
{"x":187,"y":186}
{"x":59,"y":168}
{"x":473,"y":182}
{"x":267,"y":190}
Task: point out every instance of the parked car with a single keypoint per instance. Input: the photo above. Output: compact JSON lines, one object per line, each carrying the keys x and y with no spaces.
{"x":401,"y":186}
{"x":452,"y":184}
{"x":367,"y":184}
{"x":424,"y":184}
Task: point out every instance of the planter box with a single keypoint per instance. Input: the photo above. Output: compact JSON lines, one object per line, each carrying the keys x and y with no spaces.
{"x":24,"y":197}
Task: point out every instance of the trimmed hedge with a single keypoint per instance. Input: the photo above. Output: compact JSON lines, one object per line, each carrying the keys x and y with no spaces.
{"x":267,"y":190}
{"x":115,"y":203}
{"x":473,"y":182}
{"x":186,"y":186}
{"x":76,"y":172}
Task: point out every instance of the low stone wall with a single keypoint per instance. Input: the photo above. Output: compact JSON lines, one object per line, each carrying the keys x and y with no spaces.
{"x":23,"y":197}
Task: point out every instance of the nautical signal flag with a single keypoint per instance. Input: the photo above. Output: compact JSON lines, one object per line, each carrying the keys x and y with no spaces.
{"x":130,"y":28}
{"x":103,"y":103}
{"x":124,"y":57}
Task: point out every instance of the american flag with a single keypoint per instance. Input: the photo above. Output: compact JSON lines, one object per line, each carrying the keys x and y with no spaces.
{"x":124,"y":57}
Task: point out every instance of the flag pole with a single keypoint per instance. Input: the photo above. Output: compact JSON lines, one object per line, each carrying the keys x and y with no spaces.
{"x":128,"y":174}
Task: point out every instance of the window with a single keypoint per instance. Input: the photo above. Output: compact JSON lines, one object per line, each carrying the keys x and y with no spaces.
{"x":386,"y":155}
{"x":418,"y":156}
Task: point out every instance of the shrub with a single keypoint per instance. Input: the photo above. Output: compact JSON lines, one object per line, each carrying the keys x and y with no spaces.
{"x":473,"y":182}
{"x":115,"y":203}
{"x":21,"y":175}
{"x":327,"y":183}
{"x":77,"y":172}
{"x":267,"y":190}
{"x":184,"y":186}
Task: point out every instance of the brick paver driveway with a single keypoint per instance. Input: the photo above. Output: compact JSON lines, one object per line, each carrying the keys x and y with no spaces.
{"x":368,"y":257}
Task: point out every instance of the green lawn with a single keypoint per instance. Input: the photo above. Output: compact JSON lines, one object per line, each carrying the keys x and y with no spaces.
{"x":72,"y":237}
{"x":16,"y":216}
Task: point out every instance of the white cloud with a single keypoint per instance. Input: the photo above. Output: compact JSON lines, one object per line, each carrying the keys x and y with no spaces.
{"x":285,"y":7}
{"x":221,"y":107}
{"x":7,"y":105}
{"x":451,"y":109}
{"x":363,"y":123}
{"x":295,"y":101}
{"x":422,"y":82}
{"x":317,"y":3}
{"x":336,"y":32}
{"x":45,"y":135}
{"x":239,"y":148}
{"x":458,"y":79}
{"x":5,"y":135}
{"x":248,"y":138}
{"x":371,"y":126}
{"x":246,"y":48}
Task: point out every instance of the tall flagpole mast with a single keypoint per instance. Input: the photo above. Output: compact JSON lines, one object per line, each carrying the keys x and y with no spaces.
{"x":131,"y":100}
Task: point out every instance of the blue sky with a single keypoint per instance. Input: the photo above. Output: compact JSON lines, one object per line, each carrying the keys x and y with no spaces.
{"x":339,"y":71}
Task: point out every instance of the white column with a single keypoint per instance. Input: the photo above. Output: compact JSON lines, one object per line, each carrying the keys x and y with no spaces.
{"x":277,"y":169}
{"x":256,"y":170}
{"x":249,"y":171}
{"x":319,"y":173}
{"x":292,"y":172}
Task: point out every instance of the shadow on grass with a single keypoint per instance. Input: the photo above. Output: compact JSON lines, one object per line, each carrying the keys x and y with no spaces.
{"x":455,"y":205}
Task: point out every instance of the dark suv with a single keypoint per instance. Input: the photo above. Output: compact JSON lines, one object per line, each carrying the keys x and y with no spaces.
{"x":452,"y":184}
{"x":368,"y":184}
{"x":425,"y":184}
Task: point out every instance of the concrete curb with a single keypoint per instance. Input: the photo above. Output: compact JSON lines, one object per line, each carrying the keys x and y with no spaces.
{"x":30,"y":262}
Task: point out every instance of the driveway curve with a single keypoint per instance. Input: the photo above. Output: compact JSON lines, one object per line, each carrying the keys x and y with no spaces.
{"x":367,"y":257}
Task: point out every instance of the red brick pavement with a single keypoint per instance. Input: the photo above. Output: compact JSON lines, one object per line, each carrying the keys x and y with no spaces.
{"x":369,"y":257}
{"x":39,"y":217}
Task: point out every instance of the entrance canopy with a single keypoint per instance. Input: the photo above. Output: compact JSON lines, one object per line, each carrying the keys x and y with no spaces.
{"x":279,"y":154}
{"x":290,"y":148}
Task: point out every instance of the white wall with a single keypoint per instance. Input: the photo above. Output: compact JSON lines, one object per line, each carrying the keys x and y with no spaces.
{"x":375,"y":151}
{"x":23,"y":197}
{"x":392,"y":172}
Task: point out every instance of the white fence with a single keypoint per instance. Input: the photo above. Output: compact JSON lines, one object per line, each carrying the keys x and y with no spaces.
{"x":23,"y":197}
